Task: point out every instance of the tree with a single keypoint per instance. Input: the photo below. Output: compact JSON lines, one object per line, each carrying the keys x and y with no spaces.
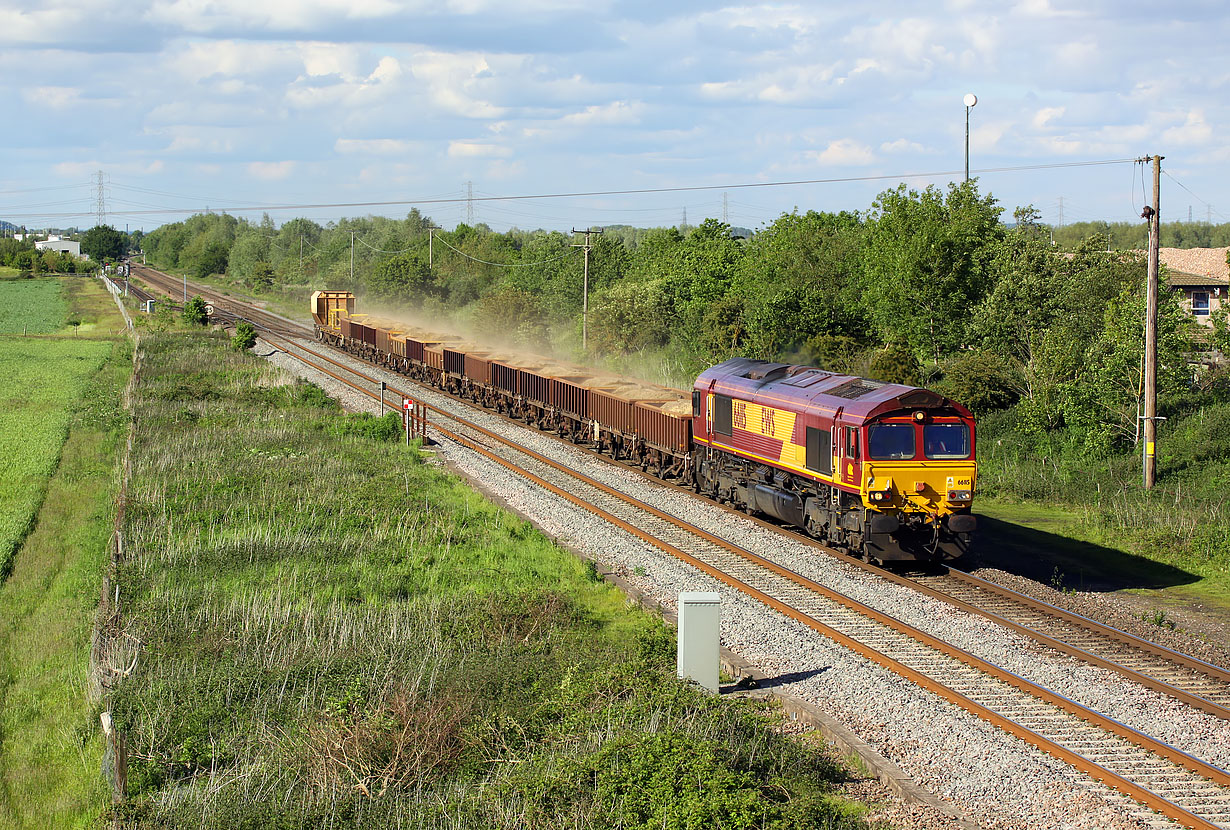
{"x":1101,"y":399}
{"x":1221,"y":331}
{"x":103,"y":242}
{"x":404,"y":276}
{"x":926,"y":264}
{"x":513,"y":313}
{"x":195,"y":312}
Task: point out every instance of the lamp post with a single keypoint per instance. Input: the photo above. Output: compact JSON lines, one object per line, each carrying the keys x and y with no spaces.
{"x":970,"y":100}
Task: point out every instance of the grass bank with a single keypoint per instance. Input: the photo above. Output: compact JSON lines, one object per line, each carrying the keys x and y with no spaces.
{"x":50,"y":750}
{"x":337,"y":633}
{"x":1094,"y":518}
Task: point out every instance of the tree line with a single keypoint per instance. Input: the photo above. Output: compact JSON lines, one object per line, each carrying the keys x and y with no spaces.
{"x":927,"y":287}
{"x":102,"y":244}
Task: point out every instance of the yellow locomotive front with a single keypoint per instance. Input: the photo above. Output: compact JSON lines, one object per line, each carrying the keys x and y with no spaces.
{"x":920,"y":468}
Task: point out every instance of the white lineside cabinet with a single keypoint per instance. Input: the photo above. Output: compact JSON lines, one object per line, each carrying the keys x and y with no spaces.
{"x":700,"y":619}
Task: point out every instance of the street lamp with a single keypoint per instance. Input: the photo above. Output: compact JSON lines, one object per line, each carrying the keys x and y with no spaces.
{"x":970,"y":100}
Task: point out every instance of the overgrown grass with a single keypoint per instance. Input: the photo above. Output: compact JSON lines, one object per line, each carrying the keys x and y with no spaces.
{"x":1183,"y":522}
{"x":336,"y":633}
{"x":34,"y":306}
{"x":50,"y":750}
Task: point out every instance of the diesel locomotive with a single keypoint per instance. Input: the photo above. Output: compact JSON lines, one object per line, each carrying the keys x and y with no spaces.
{"x":882,"y":471}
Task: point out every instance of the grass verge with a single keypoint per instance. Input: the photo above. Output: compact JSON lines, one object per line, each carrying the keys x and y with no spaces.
{"x":1090,"y":518}
{"x":337,"y":633}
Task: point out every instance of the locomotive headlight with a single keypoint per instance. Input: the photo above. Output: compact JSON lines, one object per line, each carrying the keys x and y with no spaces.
{"x":919,"y":416}
{"x":960,"y":495}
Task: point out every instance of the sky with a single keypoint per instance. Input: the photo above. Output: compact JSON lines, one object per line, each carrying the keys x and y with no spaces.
{"x":251,"y":105}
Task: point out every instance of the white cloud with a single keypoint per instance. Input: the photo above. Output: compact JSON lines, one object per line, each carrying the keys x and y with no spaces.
{"x":1044,"y":116}
{"x":84,"y":169}
{"x":1194,"y":131}
{"x":459,"y":82}
{"x":271,"y":170}
{"x":844,"y":151}
{"x":375,"y":146}
{"x":616,"y":112}
{"x":232,"y":58}
{"x":901,"y":145}
{"x":202,"y":16}
{"x":53,"y":97}
{"x":476,"y":149}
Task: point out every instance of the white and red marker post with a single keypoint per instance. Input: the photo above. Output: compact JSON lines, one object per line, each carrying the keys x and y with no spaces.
{"x":414,"y":418}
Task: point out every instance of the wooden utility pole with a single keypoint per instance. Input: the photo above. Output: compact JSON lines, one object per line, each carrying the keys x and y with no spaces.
{"x":585,"y":294}
{"x":1153,"y":214}
{"x":352,"y":287}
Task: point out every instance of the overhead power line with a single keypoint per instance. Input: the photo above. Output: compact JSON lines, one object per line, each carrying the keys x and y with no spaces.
{"x":469,"y":200}
{"x":503,"y":264}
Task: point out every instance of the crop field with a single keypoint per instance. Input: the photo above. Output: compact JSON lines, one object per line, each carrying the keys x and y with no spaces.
{"x":336,"y":632}
{"x":44,"y":377}
{"x":61,"y":426}
{"x":30,"y":306}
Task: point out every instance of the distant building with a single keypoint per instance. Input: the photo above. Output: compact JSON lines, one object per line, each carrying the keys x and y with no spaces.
{"x":55,"y":243}
{"x":1202,"y":275}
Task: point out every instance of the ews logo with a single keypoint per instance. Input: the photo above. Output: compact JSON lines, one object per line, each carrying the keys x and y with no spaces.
{"x":766,"y":421}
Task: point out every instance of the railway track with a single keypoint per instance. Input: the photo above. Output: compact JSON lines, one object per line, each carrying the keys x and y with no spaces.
{"x":133,"y":291}
{"x":1201,"y":685}
{"x":1177,"y":785}
{"x":1194,"y":792}
{"x":223,"y":307}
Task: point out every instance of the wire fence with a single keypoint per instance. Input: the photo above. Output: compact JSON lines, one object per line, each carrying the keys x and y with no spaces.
{"x":114,"y":652}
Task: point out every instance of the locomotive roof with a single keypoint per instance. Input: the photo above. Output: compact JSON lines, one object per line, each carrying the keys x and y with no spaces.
{"x":818,"y":391}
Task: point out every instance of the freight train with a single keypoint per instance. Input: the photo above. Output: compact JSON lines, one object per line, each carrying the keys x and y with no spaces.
{"x":882,"y":471}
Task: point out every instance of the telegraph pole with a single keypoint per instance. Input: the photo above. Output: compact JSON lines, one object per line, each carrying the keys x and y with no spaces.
{"x":431,"y":231}
{"x":585,"y":295}
{"x":352,"y":285}
{"x":1153,"y":214}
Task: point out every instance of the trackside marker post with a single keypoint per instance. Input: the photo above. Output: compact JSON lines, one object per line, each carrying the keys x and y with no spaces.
{"x":414,"y":417}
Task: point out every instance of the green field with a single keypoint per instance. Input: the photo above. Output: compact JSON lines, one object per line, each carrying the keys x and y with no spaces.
{"x":44,"y":380}
{"x":61,"y":426}
{"x":338,"y":633}
{"x":34,"y":306}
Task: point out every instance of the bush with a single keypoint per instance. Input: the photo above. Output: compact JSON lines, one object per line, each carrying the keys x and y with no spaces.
{"x":896,"y":364}
{"x":245,"y":337}
{"x":388,"y":428}
{"x":983,"y":381}
{"x":195,"y":312}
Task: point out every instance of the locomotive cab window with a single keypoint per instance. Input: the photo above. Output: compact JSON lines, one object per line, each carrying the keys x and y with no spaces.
{"x":946,"y":441}
{"x":851,"y":443}
{"x":890,"y":442}
{"x":723,"y":415}
{"x":819,"y":450}
{"x":695,"y":403}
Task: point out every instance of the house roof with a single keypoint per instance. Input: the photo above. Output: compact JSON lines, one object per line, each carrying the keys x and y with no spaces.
{"x":1195,"y":266}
